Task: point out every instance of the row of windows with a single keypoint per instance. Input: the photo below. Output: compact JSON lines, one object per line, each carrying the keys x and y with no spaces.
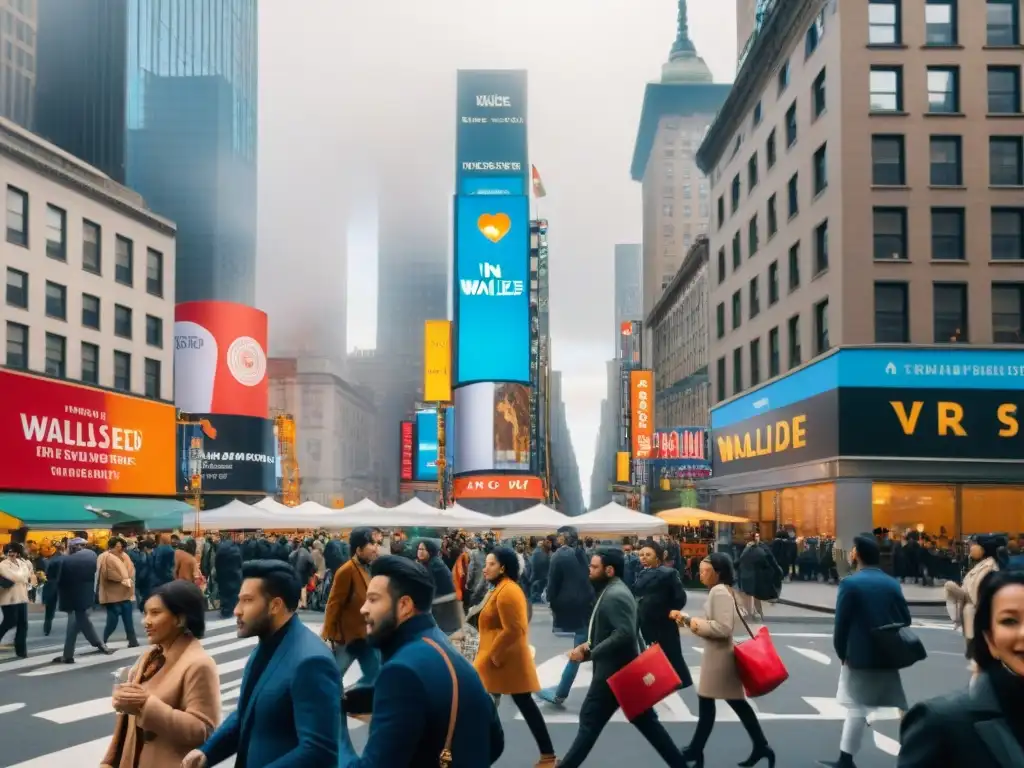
{"x":949,"y":313}
{"x":92,"y":243}
{"x":794,"y":354}
{"x":886,"y":95}
{"x":948,"y":234}
{"x":56,"y":359}
{"x":946,"y":161}
{"x":56,"y":297}
{"x":942,"y":22}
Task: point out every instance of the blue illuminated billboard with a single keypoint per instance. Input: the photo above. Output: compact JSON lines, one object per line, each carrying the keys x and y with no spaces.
{"x":492,"y":185}
{"x":425,"y":462}
{"x":490,"y":135}
{"x":492,"y":298}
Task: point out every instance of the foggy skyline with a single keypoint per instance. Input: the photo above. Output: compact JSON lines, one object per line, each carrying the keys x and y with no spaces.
{"x":360,"y":98}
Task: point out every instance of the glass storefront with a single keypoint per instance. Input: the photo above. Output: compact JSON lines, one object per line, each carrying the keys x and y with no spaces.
{"x":927,"y":509}
{"x":809,"y":510}
{"x":993,"y":509}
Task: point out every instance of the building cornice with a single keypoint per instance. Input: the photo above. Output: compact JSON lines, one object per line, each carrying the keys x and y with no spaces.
{"x":758,"y":67}
{"x":695,"y":258}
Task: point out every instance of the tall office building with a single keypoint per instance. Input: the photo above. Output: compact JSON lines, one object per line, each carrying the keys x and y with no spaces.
{"x":18,"y":61}
{"x":628,"y":285}
{"x":746,"y":21}
{"x":161,"y":94}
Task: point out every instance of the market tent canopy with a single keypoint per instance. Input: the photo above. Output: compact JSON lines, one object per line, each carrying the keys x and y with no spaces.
{"x":233,"y":516}
{"x":51,"y":512}
{"x":692,"y":516}
{"x":615,"y":518}
{"x":271,"y":504}
{"x":537,"y":519}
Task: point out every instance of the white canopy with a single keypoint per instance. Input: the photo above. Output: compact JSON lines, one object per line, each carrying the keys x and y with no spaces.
{"x":416,"y":512}
{"x":271,"y":504}
{"x":235,"y":515}
{"x":537,"y":519}
{"x":615,"y":518}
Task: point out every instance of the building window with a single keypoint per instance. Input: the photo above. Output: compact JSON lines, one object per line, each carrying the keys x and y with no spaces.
{"x":794,"y":267}
{"x":773,"y":217}
{"x":154,"y":273}
{"x":940,"y":22}
{"x":818,"y":96}
{"x":56,"y":233}
{"x":820,"y":169}
{"x":721,"y":210}
{"x":769,"y":149}
{"x":890,"y":234}
{"x":1006,"y":161}
{"x":783,"y":76}
{"x":945,"y":161}
{"x":735,"y":193}
{"x":1007,"y":306}
{"x":888,"y":163}
{"x":793,"y":195}
{"x":17,"y":216}
{"x":773,"y":283}
{"x":56,"y":352}
{"x":755,"y":297}
{"x":720,"y":320}
{"x":737,"y":370}
{"x":122,"y":321}
{"x":721,"y":265}
{"x":752,"y":235}
{"x":943,"y":90}
{"x":92,"y":250}
{"x":17,"y":346}
{"x":152,"y":371}
{"x":950,"y":308}
{"x":1004,"y":90}
{"x":886,"y":84}
{"x":122,"y":371}
{"x":737,"y":310}
{"x":757,"y":114}
{"x":892,"y":318}
{"x":1007,"y":234}
{"x":791,"y":125}
{"x":720,"y":381}
{"x":755,"y":362}
{"x":752,"y":172}
{"x":821,"y":247}
{"x":90,"y":363}
{"x":737,"y":252}
{"x":56,"y":301}
{"x":795,"y":352}
{"x":821,"y":342}
{"x":814,"y":34}
{"x":17,"y":288}
{"x":948,"y":234}
{"x":774,"y":356}
{"x":91,"y":311}
{"x":154,"y":331}
{"x":884,"y":22}
{"x":1002,"y":22}
{"x":124,"y":261}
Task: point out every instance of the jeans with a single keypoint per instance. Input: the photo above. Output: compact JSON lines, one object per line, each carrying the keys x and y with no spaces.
{"x":16,"y":618}
{"x":365,"y":654}
{"x":122,"y":611}
{"x":564,"y":687}
{"x":78,"y":621}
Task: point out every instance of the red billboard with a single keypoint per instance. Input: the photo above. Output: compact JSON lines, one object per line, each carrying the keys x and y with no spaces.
{"x":68,"y":438}
{"x":500,"y":487}
{"x":407,"y":452}
{"x":220,"y":359}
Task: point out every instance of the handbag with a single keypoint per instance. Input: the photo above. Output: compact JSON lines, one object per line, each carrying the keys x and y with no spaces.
{"x":5,"y":583}
{"x":444,"y":760}
{"x":758,"y":664}
{"x":644,"y":682}
{"x":897,"y":646}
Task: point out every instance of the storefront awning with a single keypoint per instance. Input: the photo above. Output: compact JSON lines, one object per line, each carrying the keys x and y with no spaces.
{"x":43,"y":511}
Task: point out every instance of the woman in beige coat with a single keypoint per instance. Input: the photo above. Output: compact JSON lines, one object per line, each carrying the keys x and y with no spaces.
{"x":171,"y":703}
{"x":718,"y":676}
{"x":988,"y":553}
{"x":17,"y":575}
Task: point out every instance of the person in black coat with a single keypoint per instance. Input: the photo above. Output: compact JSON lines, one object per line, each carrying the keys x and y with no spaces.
{"x":142,"y":558}
{"x":227,"y":565}
{"x":163,"y":563}
{"x":334,"y":556}
{"x":76,"y":593}
{"x":541,"y":562}
{"x":983,"y":725}
{"x":447,"y":609}
{"x":760,"y":576}
{"x":781,"y":550}
{"x":50,"y":592}
{"x":659,"y":590}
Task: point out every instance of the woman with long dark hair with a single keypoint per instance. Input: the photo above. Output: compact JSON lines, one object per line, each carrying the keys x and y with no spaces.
{"x":988,"y":553}
{"x":659,"y":591}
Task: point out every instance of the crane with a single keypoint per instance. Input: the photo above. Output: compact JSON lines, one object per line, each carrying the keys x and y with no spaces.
{"x":284,"y":430}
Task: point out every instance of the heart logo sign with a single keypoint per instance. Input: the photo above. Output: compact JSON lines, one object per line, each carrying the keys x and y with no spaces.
{"x":494,"y":226}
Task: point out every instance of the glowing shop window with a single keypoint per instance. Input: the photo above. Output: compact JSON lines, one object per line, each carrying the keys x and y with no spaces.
{"x":927,"y":509}
{"x":810,"y":510}
{"x":993,"y":509}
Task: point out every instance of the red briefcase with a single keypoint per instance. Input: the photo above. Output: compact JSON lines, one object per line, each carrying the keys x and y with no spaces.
{"x":644,"y":682}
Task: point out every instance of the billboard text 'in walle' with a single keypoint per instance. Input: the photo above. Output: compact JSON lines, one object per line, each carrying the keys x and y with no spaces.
{"x":641,"y":398}
{"x":68,"y":438}
{"x":437,"y":361}
{"x":492,"y":300}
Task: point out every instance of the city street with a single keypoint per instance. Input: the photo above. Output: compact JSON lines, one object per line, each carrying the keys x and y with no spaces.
{"x":62,"y":716}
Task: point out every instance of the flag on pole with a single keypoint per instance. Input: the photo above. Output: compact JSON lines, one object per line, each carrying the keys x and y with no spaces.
{"x":538,"y":185}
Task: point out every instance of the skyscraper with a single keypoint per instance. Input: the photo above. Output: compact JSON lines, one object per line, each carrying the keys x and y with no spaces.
{"x":628,"y":290}
{"x":18,"y":62}
{"x":162,"y":95}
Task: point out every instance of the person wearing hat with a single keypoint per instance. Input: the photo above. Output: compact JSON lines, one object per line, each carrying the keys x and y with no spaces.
{"x":988,"y":553}
{"x":76,"y":593}
{"x":344,"y":628}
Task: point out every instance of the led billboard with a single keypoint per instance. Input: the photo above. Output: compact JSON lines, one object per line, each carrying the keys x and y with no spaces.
{"x":492,"y":298}
{"x":492,"y":431}
{"x":490,"y":136}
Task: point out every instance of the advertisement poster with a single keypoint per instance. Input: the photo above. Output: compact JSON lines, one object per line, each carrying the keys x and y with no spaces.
{"x":682,"y":443}
{"x":239,"y":454}
{"x":641,"y":400}
{"x":512,"y":427}
{"x":499,"y":487}
{"x":220,"y":360}
{"x":630,"y":342}
{"x":426,"y":446}
{"x":437,"y":361}
{"x":68,"y":438}
{"x":492,"y":299}
{"x":406,"y":458}
{"x":490,"y":133}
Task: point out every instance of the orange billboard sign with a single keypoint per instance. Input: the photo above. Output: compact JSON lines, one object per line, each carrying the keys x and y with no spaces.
{"x":499,"y":487}
{"x":641,"y":408}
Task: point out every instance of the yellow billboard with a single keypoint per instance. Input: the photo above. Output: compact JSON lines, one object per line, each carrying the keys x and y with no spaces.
{"x":622,"y":467}
{"x":437,"y":361}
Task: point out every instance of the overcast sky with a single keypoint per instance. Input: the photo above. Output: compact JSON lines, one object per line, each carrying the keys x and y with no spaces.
{"x":353,"y":92}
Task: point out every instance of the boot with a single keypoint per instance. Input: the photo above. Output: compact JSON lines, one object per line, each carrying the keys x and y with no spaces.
{"x":845,"y":761}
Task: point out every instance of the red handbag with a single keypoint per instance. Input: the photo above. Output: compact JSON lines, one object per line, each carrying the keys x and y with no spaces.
{"x":644,"y":682}
{"x":758,"y":663}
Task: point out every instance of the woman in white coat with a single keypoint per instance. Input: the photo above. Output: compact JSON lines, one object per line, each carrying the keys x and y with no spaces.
{"x":16,"y":576}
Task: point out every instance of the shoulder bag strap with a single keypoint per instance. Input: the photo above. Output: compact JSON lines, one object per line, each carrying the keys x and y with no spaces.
{"x":740,"y":613}
{"x":446,"y":754}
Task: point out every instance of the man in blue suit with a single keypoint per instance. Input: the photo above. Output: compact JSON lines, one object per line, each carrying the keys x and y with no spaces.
{"x":288,"y":707}
{"x":413,"y":694}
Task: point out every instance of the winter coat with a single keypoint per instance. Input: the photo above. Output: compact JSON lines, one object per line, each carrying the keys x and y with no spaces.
{"x":570,"y":593}
{"x":759,"y":572}
{"x":20,"y":572}
{"x":76,"y":589}
{"x":718,"y":676}
{"x":504,"y":661}
{"x":227,"y":564}
{"x":113,"y":570}
{"x":447,"y":609}
{"x":659,"y":591}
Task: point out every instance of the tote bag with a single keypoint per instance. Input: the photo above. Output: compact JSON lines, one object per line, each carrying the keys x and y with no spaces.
{"x":645,"y":681}
{"x":758,"y":664}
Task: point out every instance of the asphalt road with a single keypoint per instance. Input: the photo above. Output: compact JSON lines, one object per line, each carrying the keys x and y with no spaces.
{"x":61,"y":714}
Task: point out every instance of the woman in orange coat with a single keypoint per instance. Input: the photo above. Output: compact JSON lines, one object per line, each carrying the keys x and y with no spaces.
{"x":504,"y":661}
